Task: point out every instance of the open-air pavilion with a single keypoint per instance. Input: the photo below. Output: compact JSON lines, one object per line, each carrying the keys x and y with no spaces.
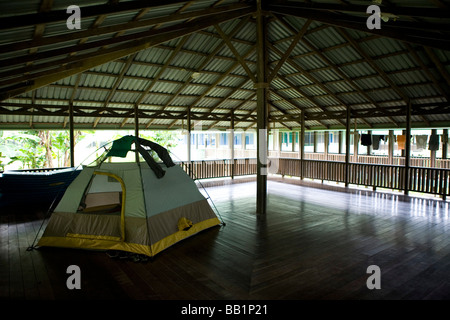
{"x":304,"y":73}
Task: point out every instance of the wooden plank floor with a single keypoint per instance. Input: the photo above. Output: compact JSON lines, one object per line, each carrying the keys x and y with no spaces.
{"x":312,"y":244}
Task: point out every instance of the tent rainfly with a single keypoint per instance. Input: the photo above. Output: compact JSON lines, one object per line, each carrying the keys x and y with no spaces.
{"x":137,"y":207}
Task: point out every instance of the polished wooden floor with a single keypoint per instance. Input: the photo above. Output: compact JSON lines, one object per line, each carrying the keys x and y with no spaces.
{"x":312,"y":244}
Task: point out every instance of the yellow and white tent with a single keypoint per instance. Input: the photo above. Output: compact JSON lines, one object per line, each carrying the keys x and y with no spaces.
{"x":138,"y":207}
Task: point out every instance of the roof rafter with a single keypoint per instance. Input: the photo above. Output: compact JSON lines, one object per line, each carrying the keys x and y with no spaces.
{"x":91,"y":60}
{"x":136,"y":23}
{"x":19,"y":21}
{"x":310,"y":77}
{"x":205,"y":62}
{"x":218,"y":80}
{"x":235,"y":52}
{"x":404,"y":31}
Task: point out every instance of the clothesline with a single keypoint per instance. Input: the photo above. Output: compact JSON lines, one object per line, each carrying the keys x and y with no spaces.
{"x":368,"y":139}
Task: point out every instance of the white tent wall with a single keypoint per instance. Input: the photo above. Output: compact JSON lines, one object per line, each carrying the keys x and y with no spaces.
{"x":174,"y":190}
{"x":75,"y":191}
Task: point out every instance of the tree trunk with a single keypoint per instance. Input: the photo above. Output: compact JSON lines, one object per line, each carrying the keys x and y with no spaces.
{"x":46,"y":141}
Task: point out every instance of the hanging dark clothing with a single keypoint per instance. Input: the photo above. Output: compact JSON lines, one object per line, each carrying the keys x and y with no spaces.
{"x":433,"y":143}
{"x":366,"y":139}
{"x":376,"y":141}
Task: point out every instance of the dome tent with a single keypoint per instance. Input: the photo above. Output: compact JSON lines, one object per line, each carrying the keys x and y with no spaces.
{"x":137,"y":207}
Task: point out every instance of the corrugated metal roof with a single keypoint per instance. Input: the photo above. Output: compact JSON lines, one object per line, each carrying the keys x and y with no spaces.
{"x":326,"y":38}
{"x":306,"y":79}
{"x":8,"y":8}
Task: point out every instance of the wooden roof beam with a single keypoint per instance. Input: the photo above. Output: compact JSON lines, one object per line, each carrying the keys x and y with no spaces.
{"x":439,"y":66}
{"x":370,"y":61}
{"x":99,"y":58}
{"x":238,"y":56}
{"x":226,"y":98}
{"x":124,"y":40}
{"x":207,"y":60}
{"x":225,"y":74}
{"x":172,"y":56}
{"x":432,"y":35}
{"x":299,"y":35}
{"x":401,"y":11}
{"x":334,"y":67}
{"x":25,"y":20}
{"x":311,"y":78}
{"x":119,"y":29}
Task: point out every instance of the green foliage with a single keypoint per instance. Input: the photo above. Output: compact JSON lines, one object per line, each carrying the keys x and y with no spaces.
{"x":36,"y":148}
{"x":40,"y":149}
{"x":24,"y":147}
{"x":167,"y":139}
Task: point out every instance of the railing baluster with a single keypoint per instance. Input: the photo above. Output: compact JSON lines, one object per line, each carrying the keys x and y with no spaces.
{"x":425,"y":180}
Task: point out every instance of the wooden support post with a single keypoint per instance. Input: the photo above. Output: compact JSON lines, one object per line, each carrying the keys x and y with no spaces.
{"x":280,"y":143}
{"x":407,"y":147}
{"x":347,"y":148}
{"x":262,"y":113}
{"x":391,"y":147}
{"x":302,"y":144}
{"x":71,"y":136}
{"x":216,"y":149}
{"x":315,"y":141}
{"x":196,"y":136}
{"x":355,"y":143}
{"x":326,"y":136}
{"x":291,"y":135}
{"x":444,"y":144}
{"x":232,"y":145}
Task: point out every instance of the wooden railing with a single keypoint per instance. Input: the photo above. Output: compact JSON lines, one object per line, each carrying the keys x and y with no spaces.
{"x":422,"y":180}
{"x":205,"y":169}
{"x":371,"y":159}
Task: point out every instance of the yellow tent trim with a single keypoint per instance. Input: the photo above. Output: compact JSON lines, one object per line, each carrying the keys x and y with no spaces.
{"x":93,"y":237}
{"x":91,"y":244}
{"x":180,"y":235}
{"x":105,"y":244}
